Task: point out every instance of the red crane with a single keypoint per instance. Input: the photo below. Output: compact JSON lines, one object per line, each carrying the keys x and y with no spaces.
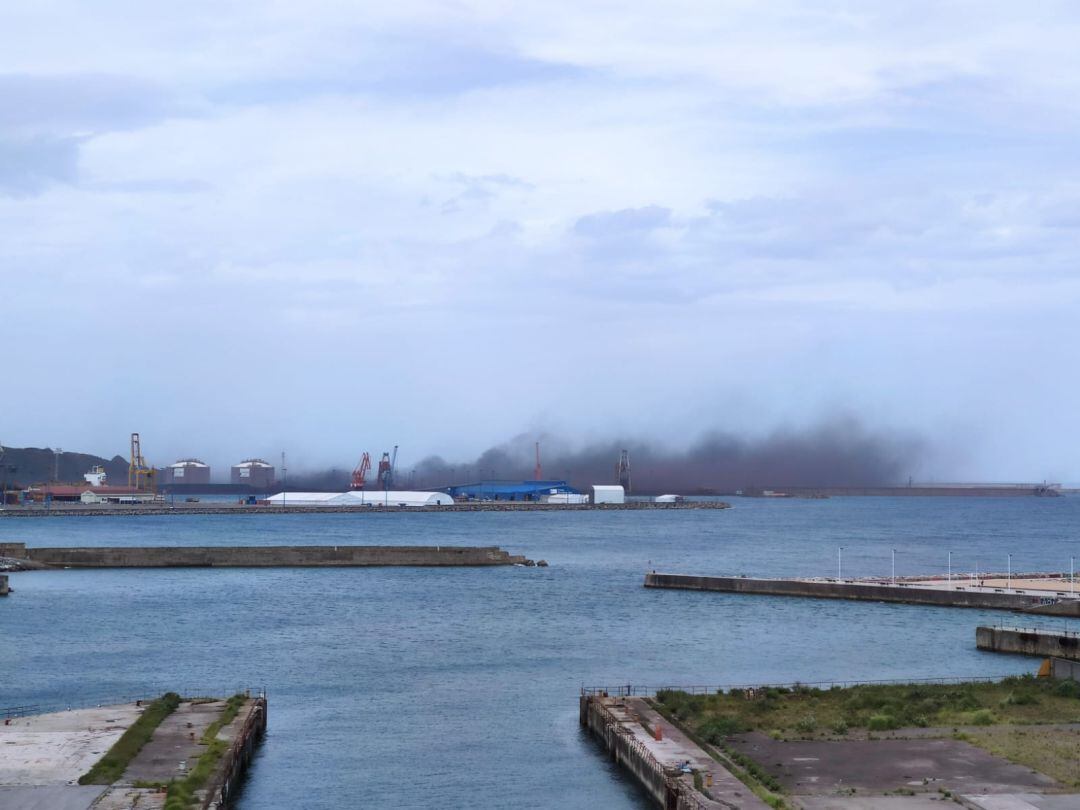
{"x":360,"y":473}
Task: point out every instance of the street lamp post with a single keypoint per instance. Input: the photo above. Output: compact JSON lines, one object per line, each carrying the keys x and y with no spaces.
{"x":894,"y":566}
{"x":839,"y":563}
{"x":1072,"y":575}
{"x":950,"y":568}
{"x":1008,"y":581}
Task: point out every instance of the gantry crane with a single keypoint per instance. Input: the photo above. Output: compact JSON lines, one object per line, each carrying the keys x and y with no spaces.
{"x":359,"y":475}
{"x":386,"y":469}
{"x":140,"y":474}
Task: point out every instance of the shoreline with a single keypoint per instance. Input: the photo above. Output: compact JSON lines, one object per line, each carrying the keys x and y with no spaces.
{"x":81,"y":510}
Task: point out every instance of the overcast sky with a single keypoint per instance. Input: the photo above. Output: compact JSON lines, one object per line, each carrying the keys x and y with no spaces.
{"x":336,"y":226}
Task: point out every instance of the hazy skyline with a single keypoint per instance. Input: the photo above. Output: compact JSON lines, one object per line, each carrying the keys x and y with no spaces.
{"x":331,"y":227}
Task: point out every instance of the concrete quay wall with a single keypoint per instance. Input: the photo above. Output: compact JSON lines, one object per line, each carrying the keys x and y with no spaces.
{"x":226,"y":781}
{"x":1022,"y":641}
{"x":265,"y":556}
{"x":625,"y":750}
{"x":860,"y":591}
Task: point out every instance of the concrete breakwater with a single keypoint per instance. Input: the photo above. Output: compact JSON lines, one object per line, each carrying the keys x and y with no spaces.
{"x":1029,"y":641}
{"x":256,"y":556}
{"x":952,"y":595}
{"x":165,"y":508}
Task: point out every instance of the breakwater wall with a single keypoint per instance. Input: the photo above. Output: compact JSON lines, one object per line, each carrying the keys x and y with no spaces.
{"x":969,"y":491}
{"x":259,"y":556}
{"x":130,"y":510}
{"x":225,"y":783}
{"x":958,"y":596}
{"x":1029,"y":641}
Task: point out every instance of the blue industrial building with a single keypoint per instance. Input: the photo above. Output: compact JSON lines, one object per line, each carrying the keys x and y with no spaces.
{"x":509,"y":490}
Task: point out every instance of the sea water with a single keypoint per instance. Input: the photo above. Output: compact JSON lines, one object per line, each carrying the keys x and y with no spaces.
{"x":426,"y":687}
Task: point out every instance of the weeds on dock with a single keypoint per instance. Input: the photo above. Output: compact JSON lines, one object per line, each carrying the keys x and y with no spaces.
{"x":181,"y":793}
{"x":112,"y":766}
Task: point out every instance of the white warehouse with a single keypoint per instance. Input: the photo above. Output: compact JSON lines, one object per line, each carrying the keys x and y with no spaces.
{"x":608,"y":493}
{"x":361,"y":498}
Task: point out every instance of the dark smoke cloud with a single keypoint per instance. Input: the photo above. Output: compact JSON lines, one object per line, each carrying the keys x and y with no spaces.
{"x":838,"y":452}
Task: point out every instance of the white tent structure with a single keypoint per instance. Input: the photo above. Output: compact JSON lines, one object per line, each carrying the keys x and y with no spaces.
{"x":393,"y":497}
{"x":566,"y":498}
{"x":302,"y":498}
{"x":361,"y":498}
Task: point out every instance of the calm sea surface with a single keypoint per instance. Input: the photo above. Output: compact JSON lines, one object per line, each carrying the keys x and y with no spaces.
{"x":458,"y":688}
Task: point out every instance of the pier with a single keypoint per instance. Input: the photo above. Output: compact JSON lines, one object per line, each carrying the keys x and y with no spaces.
{"x":1059,"y":644}
{"x":20,"y":556}
{"x":129,"y":756}
{"x":1043,"y":594}
{"x":651,"y":749}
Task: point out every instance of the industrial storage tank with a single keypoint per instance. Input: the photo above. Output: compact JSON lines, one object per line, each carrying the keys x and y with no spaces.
{"x":186,"y":471}
{"x":252,"y":472}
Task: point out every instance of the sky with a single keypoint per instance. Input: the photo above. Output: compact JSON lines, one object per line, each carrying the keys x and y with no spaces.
{"x":329,"y":227}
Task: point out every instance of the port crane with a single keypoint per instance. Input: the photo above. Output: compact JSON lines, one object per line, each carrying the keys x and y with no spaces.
{"x":359,"y":475}
{"x":622,"y":470}
{"x":140,"y":474}
{"x":386,"y":469}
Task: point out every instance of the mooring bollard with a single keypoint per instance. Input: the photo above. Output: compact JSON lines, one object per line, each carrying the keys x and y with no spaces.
{"x":658,"y":733}
{"x":708,"y":779}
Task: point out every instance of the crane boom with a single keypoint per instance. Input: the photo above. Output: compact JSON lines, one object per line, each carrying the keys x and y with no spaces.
{"x":359,"y":475}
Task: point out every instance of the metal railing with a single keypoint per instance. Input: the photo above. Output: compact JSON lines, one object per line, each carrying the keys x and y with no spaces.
{"x":630,"y":690}
{"x":1045,"y":631}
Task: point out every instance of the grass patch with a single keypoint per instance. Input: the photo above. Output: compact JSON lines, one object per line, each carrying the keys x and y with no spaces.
{"x":1056,"y":754}
{"x":181,"y":792}
{"x":803,"y":711}
{"x":112,"y":766}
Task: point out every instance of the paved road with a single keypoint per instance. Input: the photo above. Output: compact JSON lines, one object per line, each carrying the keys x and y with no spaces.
{"x":1025,"y":801}
{"x":931,"y":802}
{"x":174,"y":749}
{"x":823,"y":767}
{"x":49,"y":797}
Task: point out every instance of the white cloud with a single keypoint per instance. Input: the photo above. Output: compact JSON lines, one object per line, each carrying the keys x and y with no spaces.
{"x":332,"y":196}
